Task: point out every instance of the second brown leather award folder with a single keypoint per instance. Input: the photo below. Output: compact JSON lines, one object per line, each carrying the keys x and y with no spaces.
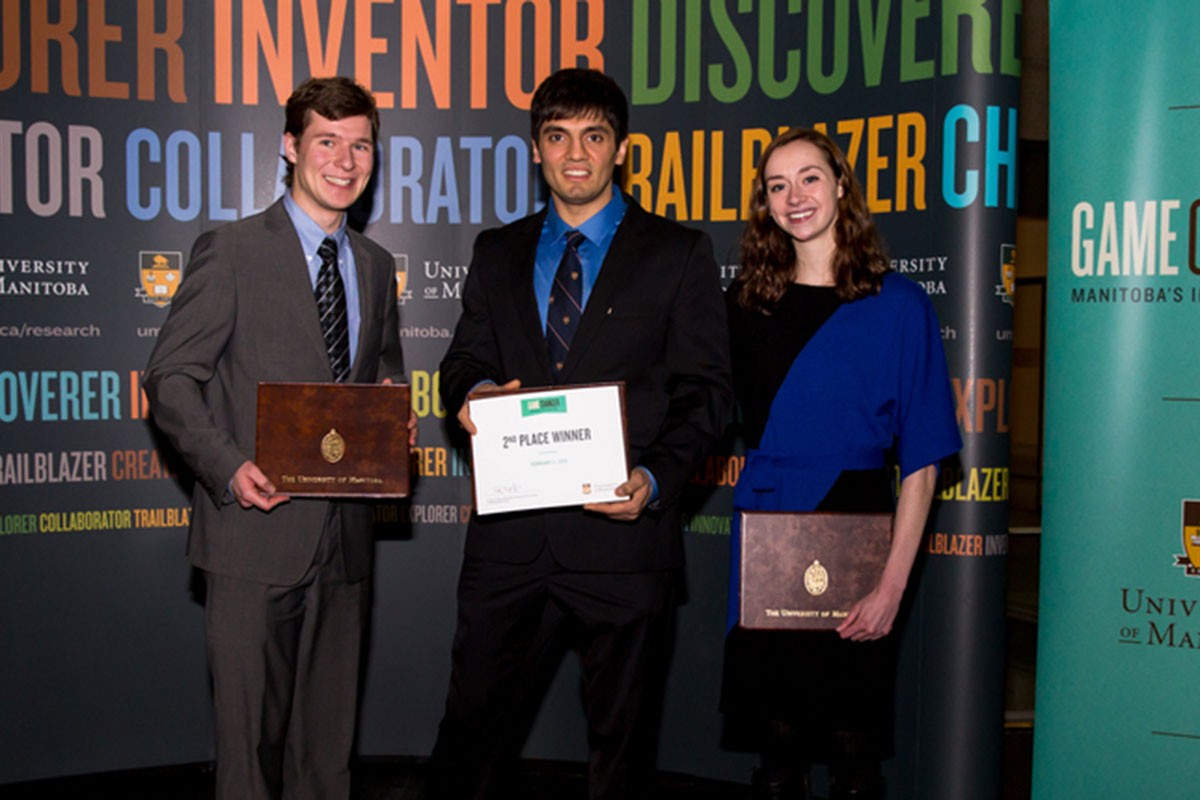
{"x":805,"y":571}
{"x":334,"y":439}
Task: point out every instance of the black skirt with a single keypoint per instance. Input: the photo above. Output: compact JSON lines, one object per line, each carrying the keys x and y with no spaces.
{"x":820,"y":684}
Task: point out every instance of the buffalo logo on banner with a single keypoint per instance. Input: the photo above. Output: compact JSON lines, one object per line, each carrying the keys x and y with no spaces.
{"x":1008,"y":273}
{"x":160,"y":273}
{"x":1190,"y":560}
{"x":403,"y":293}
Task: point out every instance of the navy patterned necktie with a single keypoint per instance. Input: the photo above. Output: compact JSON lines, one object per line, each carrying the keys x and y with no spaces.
{"x":566,"y":304}
{"x":331,"y":306}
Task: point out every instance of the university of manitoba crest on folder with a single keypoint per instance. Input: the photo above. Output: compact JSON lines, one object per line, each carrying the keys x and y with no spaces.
{"x":805,"y":571}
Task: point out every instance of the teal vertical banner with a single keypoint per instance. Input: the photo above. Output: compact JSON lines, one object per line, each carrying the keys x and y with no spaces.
{"x":1119,"y":644}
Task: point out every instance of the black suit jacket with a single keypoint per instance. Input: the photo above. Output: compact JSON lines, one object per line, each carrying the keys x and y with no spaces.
{"x":656,"y":320}
{"x":245,"y":313}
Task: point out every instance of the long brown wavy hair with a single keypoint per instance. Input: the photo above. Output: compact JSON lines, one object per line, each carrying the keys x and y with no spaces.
{"x":768,"y":256}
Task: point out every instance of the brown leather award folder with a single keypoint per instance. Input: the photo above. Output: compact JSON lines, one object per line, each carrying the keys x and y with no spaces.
{"x":334,"y":439}
{"x":806,"y":571}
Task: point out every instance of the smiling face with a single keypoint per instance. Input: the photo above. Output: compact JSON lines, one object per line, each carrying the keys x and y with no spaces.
{"x":802,"y":195}
{"x":332,"y":162}
{"x":578,"y":157}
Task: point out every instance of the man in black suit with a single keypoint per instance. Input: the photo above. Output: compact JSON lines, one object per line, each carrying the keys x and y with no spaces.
{"x":286,"y":582}
{"x":606,"y":574}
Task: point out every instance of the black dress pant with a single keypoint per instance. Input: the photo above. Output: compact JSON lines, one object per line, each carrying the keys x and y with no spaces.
{"x":513,"y":620}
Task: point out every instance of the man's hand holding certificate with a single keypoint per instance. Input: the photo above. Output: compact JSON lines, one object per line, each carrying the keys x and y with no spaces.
{"x":543,"y":448}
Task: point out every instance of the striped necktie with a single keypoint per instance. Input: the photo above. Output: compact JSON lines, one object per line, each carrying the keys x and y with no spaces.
{"x":566,"y":303}
{"x":331,"y":306}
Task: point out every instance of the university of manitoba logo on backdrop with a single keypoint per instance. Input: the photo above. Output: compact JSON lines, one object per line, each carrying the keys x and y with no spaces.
{"x":1190,"y":525}
{"x":403,"y":293}
{"x":160,"y":273}
{"x":1008,"y":273}
{"x":443,"y":281}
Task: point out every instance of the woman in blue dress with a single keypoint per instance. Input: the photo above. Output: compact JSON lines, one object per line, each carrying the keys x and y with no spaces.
{"x":841,"y":377}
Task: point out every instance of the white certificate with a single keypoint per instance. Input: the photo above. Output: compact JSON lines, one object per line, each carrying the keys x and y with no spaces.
{"x":545,"y":448}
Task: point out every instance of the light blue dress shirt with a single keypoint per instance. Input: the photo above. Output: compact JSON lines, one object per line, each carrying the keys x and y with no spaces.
{"x":311,"y":235}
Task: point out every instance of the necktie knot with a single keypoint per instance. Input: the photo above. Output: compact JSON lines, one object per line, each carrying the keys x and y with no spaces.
{"x":328,"y":250}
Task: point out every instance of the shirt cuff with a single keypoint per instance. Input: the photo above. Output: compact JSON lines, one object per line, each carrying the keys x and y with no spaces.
{"x":653,"y":485}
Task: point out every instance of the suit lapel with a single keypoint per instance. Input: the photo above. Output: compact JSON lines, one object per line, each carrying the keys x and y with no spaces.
{"x":522,"y":255}
{"x":286,"y":257}
{"x":366,"y":300}
{"x":620,"y":263}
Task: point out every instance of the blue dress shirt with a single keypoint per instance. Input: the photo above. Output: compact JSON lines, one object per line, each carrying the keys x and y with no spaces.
{"x":598,"y":233}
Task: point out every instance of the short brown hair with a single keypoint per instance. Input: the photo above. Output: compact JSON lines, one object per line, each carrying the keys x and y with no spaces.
{"x":333,"y":98}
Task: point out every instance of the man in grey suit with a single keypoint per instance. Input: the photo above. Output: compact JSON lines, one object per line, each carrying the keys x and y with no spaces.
{"x":286,"y":582}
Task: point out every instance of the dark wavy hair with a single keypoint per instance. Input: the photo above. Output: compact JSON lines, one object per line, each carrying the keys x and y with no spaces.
{"x":768,"y":256}
{"x":333,"y":98}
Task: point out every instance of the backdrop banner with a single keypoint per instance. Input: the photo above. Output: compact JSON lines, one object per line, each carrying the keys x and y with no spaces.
{"x":128,"y":128}
{"x":1120,"y":577}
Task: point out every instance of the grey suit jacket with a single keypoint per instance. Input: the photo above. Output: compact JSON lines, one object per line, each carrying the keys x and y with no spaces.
{"x":245,"y":313}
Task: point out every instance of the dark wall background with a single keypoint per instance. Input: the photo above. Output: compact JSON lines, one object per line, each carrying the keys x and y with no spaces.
{"x":128,"y":128}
